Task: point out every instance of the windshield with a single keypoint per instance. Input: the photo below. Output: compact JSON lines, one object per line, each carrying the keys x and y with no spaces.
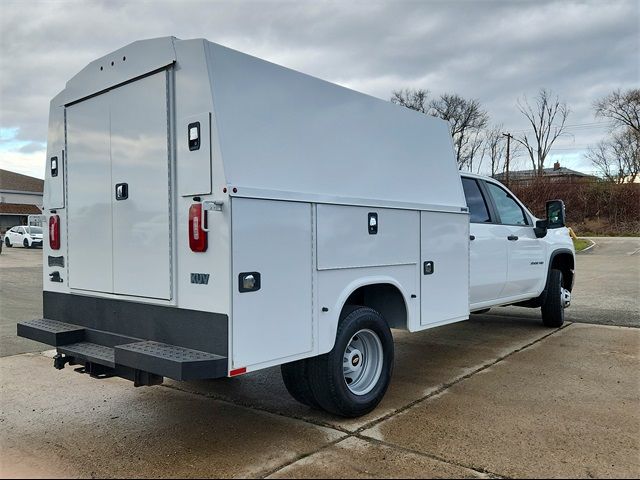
{"x":34,"y":230}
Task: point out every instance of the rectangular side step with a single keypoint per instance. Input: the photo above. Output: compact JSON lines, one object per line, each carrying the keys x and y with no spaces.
{"x":90,"y":352}
{"x":51,"y":332}
{"x":171,"y":361}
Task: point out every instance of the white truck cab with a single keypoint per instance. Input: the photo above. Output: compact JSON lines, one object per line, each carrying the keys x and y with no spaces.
{"x":509,"y":257}
{"x":211,"y":214}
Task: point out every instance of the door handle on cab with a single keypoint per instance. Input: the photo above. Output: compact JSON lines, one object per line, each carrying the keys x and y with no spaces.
{"x":513,"y":238}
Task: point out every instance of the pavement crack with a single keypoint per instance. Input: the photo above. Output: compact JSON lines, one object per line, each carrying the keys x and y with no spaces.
{"x":304,"y":455}
{"x":479,"y":470}
{"x":457,"y":380}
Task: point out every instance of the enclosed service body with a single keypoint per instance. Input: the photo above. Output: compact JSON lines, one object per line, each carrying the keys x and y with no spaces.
{"x":211,"y":213}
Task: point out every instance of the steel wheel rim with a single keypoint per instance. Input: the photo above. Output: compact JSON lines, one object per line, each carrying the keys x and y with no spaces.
{"x":565,"y":297}
{"x":362,"y":362}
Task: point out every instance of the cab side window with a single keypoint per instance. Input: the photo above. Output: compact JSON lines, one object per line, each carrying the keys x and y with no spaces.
{"x":510,"y":212}
{"x":475,"y":201}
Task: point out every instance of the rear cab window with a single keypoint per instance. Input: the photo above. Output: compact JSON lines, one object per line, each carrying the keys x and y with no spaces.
{"x":475,"y":201}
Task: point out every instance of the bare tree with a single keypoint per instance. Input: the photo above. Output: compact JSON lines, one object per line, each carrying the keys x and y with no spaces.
{"x":547,"y":118}
{"x":623,"y":108}
{"x":466,"y":118}
{"x":617,"y":158}
{"x":413,"y":99}
{"x":495,"y":149}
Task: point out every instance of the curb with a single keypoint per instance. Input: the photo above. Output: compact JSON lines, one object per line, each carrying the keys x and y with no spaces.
{"x":593,"y":244}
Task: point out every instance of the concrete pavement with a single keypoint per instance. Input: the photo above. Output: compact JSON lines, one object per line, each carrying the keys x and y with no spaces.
{"x":565,"y":404}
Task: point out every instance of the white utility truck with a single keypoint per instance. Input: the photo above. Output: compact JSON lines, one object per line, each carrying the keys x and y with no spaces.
{"x":211,"y":214}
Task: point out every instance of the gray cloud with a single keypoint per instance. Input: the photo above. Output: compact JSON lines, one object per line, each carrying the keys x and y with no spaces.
{"x":32,"y":147}
{"x":495,"y":51}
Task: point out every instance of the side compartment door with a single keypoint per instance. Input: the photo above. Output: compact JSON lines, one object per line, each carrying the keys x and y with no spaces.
{"x":272,"y":242}
{"x":444,"y":248}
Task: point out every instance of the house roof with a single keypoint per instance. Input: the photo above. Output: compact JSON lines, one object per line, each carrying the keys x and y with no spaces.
{"x":548,"y":172}
{"x":19,"y":209}
{"x":20,"y":183}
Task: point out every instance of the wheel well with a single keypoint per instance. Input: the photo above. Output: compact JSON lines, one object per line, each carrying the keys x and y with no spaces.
{"x":565,"y":263}
{"x":384,"y":298}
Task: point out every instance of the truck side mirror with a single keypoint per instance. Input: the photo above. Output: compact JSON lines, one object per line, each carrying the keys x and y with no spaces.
{"x":540,"y":229}
{"x":555,"y":214}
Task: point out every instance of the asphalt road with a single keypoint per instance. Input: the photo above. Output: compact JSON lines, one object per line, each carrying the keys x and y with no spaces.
{"x":20,"y":297}
{"x":496,"y":396}
{"x":607,"y":286}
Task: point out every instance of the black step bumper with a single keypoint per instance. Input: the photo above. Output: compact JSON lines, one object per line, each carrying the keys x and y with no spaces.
{"x":131,"y":340}
{"x":157,"y":358}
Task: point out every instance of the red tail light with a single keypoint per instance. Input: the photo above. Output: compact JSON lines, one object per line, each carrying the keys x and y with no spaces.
{"x":197,"y":235}
{"x":54,"y":232}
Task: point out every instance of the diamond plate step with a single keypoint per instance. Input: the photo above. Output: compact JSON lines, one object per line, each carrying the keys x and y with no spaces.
{"x":91,"y":352}
{"x":171,"y":361}
{"x":51,"y":332}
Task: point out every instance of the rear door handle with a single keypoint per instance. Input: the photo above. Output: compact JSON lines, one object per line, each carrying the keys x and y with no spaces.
{"x":513,"y":238}
{"x":122,"y":191}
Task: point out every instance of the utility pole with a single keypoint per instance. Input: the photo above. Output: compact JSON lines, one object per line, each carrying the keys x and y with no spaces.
{"x":506,"y":176}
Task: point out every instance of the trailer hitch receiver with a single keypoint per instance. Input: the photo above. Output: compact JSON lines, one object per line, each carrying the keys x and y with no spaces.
{"x":59,"y":361}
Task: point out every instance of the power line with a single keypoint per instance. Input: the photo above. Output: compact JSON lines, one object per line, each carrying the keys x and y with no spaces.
{"x":576,"y":126}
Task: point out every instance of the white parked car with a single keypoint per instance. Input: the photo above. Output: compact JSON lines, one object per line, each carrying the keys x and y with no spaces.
{"x":25,"y":236}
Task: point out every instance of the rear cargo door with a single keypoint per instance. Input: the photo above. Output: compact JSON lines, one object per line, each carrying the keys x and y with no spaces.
{"x":140,"y":160}
{"x":89,"y":195}
{"x":118,"y":187}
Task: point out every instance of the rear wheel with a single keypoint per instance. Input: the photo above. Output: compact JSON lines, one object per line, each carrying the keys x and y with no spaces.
{"x":556,"y":300}
{"x":7,"y":242}
{"x":296,"y":379}
{"x":353,"y":377}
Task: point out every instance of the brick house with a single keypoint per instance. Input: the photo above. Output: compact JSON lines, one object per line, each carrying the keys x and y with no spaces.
{"x":20,"y":196}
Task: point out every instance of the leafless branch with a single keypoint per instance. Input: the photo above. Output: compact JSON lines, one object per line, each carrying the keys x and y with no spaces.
{"x":547,"y":119}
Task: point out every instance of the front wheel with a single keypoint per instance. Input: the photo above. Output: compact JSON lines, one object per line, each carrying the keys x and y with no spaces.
{"x":556,"y":300}
{"x":352,"y":378}
{"x":7,"y":242}
{"x":25,"y":243}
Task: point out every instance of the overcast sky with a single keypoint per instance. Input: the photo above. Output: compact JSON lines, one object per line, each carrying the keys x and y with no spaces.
{"x":495,"y":51}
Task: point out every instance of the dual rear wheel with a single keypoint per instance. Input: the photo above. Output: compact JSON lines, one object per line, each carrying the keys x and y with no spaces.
{"x":352,"y":378}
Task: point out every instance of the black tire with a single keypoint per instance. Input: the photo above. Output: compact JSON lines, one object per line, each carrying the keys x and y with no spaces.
{"x":7,"y":242}
{"x":296,"y":379}
{"x":326,"y":375}
{"x":552,"y":308}
{"x":25,"y":243}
